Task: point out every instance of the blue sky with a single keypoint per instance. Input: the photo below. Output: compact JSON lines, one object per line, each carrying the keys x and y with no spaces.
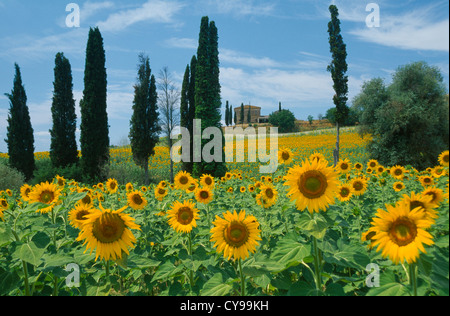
{"x":270,"y":51}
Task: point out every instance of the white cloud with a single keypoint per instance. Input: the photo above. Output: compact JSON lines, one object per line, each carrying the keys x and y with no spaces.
{"x":240,"y":7}
{"x":153,"y":10}
{"x":91,"y":8}
{"x":243,"y":59}
{"x":176,"y":42}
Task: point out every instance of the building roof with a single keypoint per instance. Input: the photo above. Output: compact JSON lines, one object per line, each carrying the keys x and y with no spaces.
{"x":247,"y":107}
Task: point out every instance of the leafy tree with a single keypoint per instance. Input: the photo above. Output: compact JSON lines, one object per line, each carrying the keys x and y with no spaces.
{"x":338,"y":69}
{"x":20,"y":139}
{"x":94,"y":117}
{"x":410,"y":125}
{"x":207,"y":93}
{"x":63,"y":148}
{"x":284,"y":120}
{"x":144,"y":127}
{"x":310,"y":119}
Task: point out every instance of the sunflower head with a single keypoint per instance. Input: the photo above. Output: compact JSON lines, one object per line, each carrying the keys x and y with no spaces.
{"x":112,"y":185}
{"x":397,"y":172}
{"x":444,"y":158}
{"x":285,"y":156}
{"x":182,"y":216}
{"x":204,"y":195}
{"x":344,"y":166}
{"x":207,"y":180}
{"x":161,"y":192}
{"x":108,"y":232}
{"x":136,"y":200}
{"x":359,"y":185}
{"x":45,"y":193}
{"x":25,"y":191}
{"x":236,"y":235}
{"x":414,"y":200}
{"x":345,"y":192}
{"x":312,"y":186}
{"x":400,"y":233}
{"x":77,"y":216}
{"x":183,"y":180}
{"x":398,"y":186}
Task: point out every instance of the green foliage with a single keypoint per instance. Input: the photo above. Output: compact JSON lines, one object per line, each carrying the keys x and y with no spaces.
{"x":20,"y":139}
{"x":409,"y":119}
{"x":284,"y":120}
{"x":10,"y":178}
{"x":352,"y":118}
{"x":144,"y":126}
{"x":207,"y":92}
{"x":94,"y":117}
{"x":338,"y":66}
{"x":46,"y":171}
{"x":63,"y":148}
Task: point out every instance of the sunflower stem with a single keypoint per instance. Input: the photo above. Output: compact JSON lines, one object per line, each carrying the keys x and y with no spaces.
{"x":317,"y":265}
{"x":413,"y":278}
{"x":242,"y":278}
{"x":191,"y":273}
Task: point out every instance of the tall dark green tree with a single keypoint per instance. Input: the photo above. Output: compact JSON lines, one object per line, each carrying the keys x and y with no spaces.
{"x":207,"y":93}
{"x":144,"y":127}
{"x":184,"y":111}
{"x":20,"y":139}
{"x":249,"y":115}
{"x":227,"y":113}
{"x":338,"y":69}
{"x":230,"y":115}
{"x":94,"y":117}
{"x":63,"y":148}
{"x":242,"y":113}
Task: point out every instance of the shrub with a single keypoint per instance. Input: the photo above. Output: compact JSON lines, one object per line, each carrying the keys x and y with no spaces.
{"x":411,"y":124}
{"x":284,"y":120}
{"x":10,"y":178}
{"x":46,"y":172}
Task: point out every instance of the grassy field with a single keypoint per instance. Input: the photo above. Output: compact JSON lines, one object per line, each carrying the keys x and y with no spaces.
{"x":185,"y":238}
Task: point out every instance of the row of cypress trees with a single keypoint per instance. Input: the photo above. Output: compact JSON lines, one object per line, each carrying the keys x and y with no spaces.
{"x":200,"y":99}
{"x":94,"y":118}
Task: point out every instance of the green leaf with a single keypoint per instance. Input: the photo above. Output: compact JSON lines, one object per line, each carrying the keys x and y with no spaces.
{"x":390,"y":289}
{"x":289,"y":252}
{"x":216,"y":287}
{"x":6,"y":236}
{"x":166,"y":271}
{"x":41,"y":239}
{"x":29,"y":253}
{"x":316,"y":226}
{"x":352,"y":256}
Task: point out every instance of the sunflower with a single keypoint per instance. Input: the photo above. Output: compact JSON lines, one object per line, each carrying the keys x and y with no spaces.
{"x":401,"y":233}
{"x":285,"y":156}
{"x":129,"y":187}
{"x":160,"y":193}
{"x":398,"y":172}
{"x":193,"y":186}
{"x":45,"y":193}
{"x":242,"y":189}
{"x":112,"y":185}
{"x":204,"y":195}
{"x":136,"y":200}
{"x":345,"y":192}
{"x":444,"y":159}
{"x":207,"y":180}
{"x":372,"y":164}
{"x":368,"y":236}
{"x":251,"y":188}
{"x":25,"y":192}
{"x":358,"y":166}
{"x":426,"y":180}
{"x":312,"y":186}
{"x":77,"y":216}
{"x":343,"y":166}
{"x":108,"y":232}
{"x":236,"y":235}
{"x":359,"y":186}
{"x":183,"y":180}
{"x":317,"y":156}
{"x":3,"y":205}
{"x":60,"y":181}
{"x":414,"y":200}
{"x":438,"y":172}
{"x":398,"y":186}
{"x":437,"y":195}
{"x":269,"y":194}
{"x":182,"y":216}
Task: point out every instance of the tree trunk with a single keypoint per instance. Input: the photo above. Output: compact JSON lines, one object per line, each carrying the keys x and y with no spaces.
{"x":336,"y":150}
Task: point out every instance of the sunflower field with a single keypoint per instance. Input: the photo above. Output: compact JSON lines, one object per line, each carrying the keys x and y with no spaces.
{"x":357,"y":229}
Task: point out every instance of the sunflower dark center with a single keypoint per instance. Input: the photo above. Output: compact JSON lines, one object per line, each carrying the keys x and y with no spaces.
{"x":403,"y":231}
{"x":185,"y":215}
{"x":313,"y":184}
{"x":236,"y":234}
{"x":47,"y":197}
{"x":108,"y":228}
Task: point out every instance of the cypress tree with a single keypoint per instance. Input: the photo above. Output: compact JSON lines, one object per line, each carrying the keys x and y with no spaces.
{"x":63,"y":148}
{"x":184,"y":107}
{"x":144,"y":127}
{"x":242,"y":113}
{"x":338,"y":69}
{"x":94,"y":117}
{"x":227,"y":107}
{"x":249,"y":115}
{"x":20,"y":139}
{"x":230,"y":115}
{"x":207,"y":92}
